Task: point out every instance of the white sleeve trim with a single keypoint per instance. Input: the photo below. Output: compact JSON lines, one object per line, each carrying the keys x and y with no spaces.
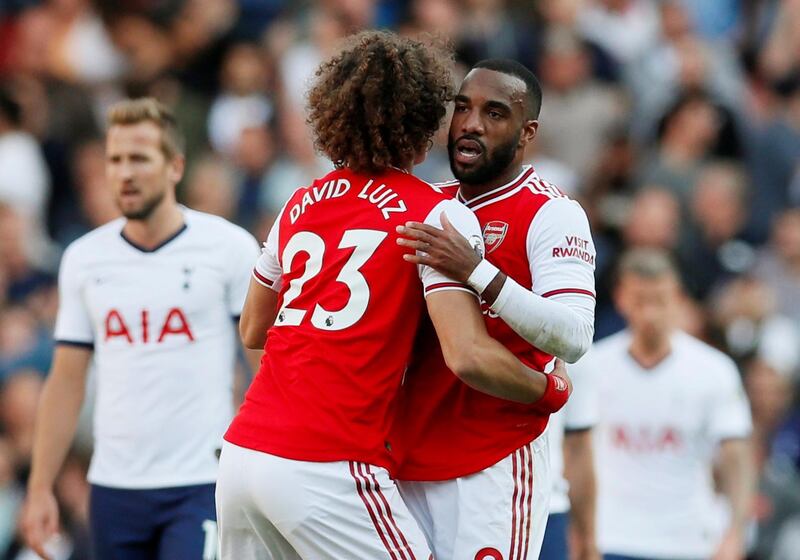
{"x":467,"y":225}
{"x":268,"y":270}
{"x":450,"y":287}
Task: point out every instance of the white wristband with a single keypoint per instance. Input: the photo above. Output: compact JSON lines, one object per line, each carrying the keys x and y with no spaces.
{"x":482,"y":276}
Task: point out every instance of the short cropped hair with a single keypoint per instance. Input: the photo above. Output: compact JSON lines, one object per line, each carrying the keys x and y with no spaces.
{"x":511,"y":67}
{"x":379,"y":101}
{"x":647,"y":263}
{"x":144,"y":109}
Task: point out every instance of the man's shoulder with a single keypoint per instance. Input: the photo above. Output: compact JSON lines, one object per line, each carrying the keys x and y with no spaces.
{"x":430,"y":193}
{"x":706,"y":357}
{"x":610,"y":347}
{"x":545,"y":198}
{"x":449,"y":188}
{"x":216,"y":227}
{"x":92,"y":243}
{"x":527,"y":194}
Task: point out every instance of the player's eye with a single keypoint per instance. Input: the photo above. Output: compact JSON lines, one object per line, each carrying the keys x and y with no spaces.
{"x":495,"y":114}
{"x":460,"y":108}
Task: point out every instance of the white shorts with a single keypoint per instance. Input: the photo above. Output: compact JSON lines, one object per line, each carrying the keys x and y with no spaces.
{"x":273,"y":508}
{"x":498,"y":513}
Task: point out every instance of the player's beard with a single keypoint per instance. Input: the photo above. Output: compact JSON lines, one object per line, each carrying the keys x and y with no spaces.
{"x":146,"y":209}
{"x":493,"y":165}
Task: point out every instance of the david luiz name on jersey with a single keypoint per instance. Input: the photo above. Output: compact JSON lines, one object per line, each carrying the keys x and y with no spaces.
{"x":377,"y":194}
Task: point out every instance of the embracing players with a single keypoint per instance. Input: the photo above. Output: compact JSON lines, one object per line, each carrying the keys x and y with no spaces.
{"x":153,"y":298}
{"x":476,"y":467}
{"x":304,"y":469}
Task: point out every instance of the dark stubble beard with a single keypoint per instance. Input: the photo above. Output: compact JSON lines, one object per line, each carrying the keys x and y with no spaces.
{"x":147,"y":208}
{"x":494,"y":164}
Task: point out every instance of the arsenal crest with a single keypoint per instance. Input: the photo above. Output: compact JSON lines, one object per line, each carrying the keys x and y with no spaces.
{"x":493,"y":234}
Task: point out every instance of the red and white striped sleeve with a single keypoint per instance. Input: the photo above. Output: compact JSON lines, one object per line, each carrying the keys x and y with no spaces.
{"x":268,"y":271}
{"x":561,"y":253}
{"x":467,"y":225}
{"x":558,"y":315}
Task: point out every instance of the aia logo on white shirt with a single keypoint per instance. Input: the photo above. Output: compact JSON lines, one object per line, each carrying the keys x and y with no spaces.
{"x":493,"y":234}
{"x":646,"y":440}
{"x":140,"y":328}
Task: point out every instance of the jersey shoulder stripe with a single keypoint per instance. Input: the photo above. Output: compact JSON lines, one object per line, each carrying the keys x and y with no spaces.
{"x":263,"y":280}
{"x":539,"y":186}
{"x":500,"y":193}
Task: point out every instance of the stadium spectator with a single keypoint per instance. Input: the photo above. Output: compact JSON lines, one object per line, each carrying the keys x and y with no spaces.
{"x":578,"y":111}
{"x":713,"y":248}
{"x":623,"y":28}
{"x":778,"y":264}
{"x":25,"y":180}
{"x":751,"y":324}
{"x":211,"y":188}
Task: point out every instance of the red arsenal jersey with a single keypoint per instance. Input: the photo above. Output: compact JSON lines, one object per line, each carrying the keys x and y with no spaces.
{"x":349,"y":309}
{"x":445,"y":429}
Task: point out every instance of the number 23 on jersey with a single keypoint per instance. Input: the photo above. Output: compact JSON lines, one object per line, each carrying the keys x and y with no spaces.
{"x":364,"y":243}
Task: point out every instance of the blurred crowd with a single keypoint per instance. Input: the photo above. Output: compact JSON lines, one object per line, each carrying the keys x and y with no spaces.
{"x":675,"y":122}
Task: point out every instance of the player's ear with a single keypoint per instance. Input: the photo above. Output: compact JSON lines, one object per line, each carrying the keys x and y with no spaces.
{"x":176,"y":168}
{"x":529,"y":130}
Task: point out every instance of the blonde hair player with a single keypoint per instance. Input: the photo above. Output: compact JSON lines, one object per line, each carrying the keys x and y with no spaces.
{"x":153,"y":297}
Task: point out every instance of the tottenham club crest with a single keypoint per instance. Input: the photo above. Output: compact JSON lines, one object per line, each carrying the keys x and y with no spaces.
{"x":493,"y":234}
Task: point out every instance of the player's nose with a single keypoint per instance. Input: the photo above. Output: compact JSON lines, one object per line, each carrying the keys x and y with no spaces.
{"x":472,"y":123}
{"x":125,"y":171}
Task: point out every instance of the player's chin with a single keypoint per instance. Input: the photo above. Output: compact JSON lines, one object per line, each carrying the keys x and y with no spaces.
{"x":467,"y":173}
{"x":459,"y":166}
{"x":134,"y":211}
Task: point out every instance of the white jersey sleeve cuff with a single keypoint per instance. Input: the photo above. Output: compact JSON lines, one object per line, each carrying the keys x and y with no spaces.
{"x":467,"y":225}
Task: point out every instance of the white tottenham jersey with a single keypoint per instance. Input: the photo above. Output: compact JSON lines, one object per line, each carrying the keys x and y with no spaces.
{"x":580,"y":413}
{"x":162,"y":326}
{"x":656,"y":437}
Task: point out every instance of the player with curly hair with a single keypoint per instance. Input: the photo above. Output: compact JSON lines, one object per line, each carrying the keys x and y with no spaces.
{"x":305,"y":468}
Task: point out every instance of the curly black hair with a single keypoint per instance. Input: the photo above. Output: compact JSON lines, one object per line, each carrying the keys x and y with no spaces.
{"x":379,"y":101}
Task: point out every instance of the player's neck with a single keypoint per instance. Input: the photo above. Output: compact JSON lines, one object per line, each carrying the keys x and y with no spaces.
{"x":164,"y":222}
{"x":471,"y":190}
{"x":649,"y":352}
